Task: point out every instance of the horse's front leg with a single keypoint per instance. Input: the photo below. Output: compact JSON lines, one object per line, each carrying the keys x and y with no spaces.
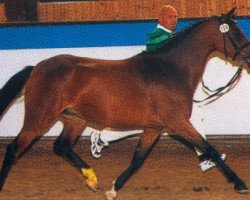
{"x":239,"y":185}
{"x":187,"y":131}
{"x":63,"y":146}
{"x":146,"y":143}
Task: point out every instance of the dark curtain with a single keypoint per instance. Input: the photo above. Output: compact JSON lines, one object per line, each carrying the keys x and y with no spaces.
{"x":30,"y":8}
{"x":21,"y":10}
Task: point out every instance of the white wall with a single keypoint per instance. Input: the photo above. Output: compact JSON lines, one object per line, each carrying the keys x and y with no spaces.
{"x":228,"y":115}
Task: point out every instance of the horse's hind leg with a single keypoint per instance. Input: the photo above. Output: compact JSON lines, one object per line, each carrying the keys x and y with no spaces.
{"x":187,"y":131}
{"x":18,"y":147}
{"x":146,"y":143}
{"x":9,"y":159}
{"x":37,"y":121}
{"x":63,"y":146}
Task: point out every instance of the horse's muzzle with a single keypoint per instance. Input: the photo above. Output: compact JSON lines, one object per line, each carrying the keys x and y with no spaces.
{"x":246,"y":60}
{"x":244,"y":57}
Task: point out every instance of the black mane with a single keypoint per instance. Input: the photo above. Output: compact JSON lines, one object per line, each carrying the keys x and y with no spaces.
{"x":179,"y":36}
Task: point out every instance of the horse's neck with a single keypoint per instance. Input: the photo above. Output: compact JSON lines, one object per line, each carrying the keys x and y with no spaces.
{"x":191,"y":56}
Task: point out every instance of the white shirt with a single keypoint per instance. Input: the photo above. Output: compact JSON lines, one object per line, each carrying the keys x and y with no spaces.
{"x":163,"y":28}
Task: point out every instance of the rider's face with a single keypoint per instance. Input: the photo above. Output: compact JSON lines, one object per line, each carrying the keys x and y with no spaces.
{"x":168,"y":18}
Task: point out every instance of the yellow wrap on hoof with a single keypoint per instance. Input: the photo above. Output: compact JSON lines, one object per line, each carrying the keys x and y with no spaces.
{"x":91,"y":178}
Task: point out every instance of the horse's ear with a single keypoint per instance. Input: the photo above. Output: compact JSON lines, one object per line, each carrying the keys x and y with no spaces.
{"x":232,"y":13}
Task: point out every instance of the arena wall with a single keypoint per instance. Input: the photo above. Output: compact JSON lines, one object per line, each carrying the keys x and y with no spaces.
{"x":2,"y":13}
{"x":134,"y":10}
{"x":110,"y":10}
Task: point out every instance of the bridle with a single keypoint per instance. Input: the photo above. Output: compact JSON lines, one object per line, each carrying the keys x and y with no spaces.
{"x":224,"y":29}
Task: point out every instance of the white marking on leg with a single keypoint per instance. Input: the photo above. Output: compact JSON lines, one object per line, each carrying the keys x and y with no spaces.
{"x":112,"y":192}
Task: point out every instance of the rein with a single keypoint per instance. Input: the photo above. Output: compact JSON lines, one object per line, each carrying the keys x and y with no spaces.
{"x":224,"y":29}
{"x":220,"y":89}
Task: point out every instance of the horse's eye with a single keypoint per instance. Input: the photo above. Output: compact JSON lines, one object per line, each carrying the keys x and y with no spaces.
{"x":236,"y":32}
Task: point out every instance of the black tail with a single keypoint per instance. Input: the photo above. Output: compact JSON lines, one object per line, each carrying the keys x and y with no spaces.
{"x":13,"y":87}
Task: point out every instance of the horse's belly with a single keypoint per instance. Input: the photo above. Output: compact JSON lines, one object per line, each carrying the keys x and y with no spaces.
{"x":113,"y":112}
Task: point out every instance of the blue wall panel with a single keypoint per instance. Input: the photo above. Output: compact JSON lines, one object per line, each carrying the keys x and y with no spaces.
{"x":84,"y":35}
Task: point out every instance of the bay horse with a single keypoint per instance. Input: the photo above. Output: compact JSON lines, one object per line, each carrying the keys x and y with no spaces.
{"x":152,"y":91}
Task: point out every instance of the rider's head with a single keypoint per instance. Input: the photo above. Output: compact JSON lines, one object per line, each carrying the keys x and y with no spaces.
{"x":168,"y":17}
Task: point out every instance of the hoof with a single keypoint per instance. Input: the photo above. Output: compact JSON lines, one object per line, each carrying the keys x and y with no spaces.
{"x":109,"y":196}
{"x":92,"y":184}
{"x":246,"y":191}
{"x":241,"y":188}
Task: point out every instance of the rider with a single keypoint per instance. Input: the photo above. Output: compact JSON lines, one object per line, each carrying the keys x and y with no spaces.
{"x":164,"y":30}
{"x":166,"y":25}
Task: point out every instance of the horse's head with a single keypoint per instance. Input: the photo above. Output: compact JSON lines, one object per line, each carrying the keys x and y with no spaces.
{"x":235,"y":44}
